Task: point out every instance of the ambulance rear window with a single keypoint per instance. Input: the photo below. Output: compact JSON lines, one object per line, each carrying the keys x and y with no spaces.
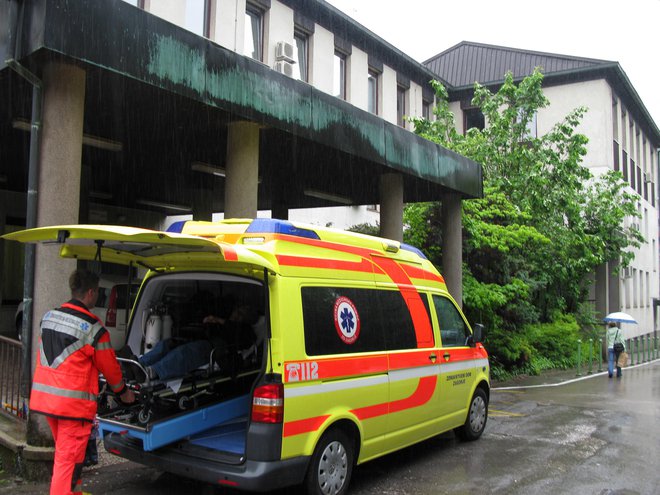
{"x":340,"y":320}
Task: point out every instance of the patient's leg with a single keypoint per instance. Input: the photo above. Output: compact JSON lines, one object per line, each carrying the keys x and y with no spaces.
{"x":183,"y":359}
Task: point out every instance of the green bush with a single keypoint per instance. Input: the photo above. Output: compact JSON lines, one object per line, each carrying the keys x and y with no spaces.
{"x":533,"y":348}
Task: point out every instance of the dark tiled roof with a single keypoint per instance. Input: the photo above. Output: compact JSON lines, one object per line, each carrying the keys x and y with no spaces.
{"x":467,"y":63}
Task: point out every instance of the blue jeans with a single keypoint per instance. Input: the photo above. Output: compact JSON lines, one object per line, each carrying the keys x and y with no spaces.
{"x":611,"y":360}
{"x":170,"y":362}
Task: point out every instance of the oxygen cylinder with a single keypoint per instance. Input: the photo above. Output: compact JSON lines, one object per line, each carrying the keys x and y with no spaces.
{"x":167,"y":326}
{"x":154,"y":331}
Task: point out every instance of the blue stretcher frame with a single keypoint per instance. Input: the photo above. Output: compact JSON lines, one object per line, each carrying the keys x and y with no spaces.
{"x":161,"y":433}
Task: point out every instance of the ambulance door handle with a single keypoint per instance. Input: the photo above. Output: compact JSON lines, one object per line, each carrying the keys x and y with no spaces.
{"x":433,"y":357}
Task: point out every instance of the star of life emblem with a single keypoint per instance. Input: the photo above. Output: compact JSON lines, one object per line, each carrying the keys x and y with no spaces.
{"x":347,"y":320}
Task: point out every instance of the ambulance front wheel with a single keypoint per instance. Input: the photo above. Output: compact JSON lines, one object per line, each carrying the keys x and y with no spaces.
{"x":475,"y":422}
{"x":330,"y":468}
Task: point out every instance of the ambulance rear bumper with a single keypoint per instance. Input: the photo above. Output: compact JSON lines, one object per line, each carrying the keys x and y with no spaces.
{"x":250,"y":475}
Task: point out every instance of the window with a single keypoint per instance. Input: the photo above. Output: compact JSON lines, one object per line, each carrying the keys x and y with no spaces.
{"x":472,"y":117}
{"x":426,"y":109}
{"x":339,"y":76}
{"x":198,"y":17}
{"x":615,"y":119}
{"x":617,"y":164}
{"x":253,"y":43}
{"x":372,"y":91}
{"x":375,"y":320}
{"x":624,"y":165}
{"x":453,"y":330}
{"x":137,"y":3}
{"x":301,"y":40}
{"x":401,"y":106}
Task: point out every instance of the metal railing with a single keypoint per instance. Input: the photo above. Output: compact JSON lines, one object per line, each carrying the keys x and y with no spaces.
{"x":640,"y":349}
{"x":11,"y":357}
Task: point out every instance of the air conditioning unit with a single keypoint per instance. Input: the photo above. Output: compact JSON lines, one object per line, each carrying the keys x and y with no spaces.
{"x":284,"y":52}
{"x":647,"y":178}
{"x":627,"y":272}
{"x":284,"y":67}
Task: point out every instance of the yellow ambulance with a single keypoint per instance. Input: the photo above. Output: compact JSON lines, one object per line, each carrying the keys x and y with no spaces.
{"x":355,"y":349}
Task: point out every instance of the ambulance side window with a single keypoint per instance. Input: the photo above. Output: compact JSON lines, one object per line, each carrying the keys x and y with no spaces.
{"x":453,"y":330}
{"x":341,"y":320}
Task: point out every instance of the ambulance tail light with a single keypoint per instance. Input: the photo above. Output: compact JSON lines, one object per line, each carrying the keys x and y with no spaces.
{"x":111,"y":315}
{"x":268,"y":403}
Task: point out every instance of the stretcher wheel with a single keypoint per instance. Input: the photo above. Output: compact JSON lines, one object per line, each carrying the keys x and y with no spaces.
{"x":186,"y":402}
{"x":144,"y":416}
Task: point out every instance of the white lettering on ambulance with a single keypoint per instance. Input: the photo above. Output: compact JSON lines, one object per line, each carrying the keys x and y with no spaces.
{"x":308,"y":370}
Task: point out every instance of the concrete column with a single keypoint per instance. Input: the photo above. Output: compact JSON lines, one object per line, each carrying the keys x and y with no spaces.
{"x":242,"y":170}
{"x":452,"y":245}
{"x":59,"y":188}
{"x":391,"y":206}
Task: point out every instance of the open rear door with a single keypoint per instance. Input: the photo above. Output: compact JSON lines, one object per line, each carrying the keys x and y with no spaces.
{"x":151,"y":249}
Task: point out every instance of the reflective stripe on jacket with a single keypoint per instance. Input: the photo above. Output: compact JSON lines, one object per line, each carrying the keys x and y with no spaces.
{"x":74,"y":347}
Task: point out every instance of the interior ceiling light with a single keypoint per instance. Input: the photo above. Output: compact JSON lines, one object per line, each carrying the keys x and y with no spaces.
{"x":166,"y":206}
{"x":328,"y":196}
{"x":207,"y":169}
{"x":88,"y":140}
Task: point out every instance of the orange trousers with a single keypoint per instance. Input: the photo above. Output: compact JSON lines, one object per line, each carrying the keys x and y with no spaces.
{"x":71,"y":438}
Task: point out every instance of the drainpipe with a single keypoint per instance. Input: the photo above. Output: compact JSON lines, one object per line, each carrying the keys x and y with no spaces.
{"x":15,"y":21}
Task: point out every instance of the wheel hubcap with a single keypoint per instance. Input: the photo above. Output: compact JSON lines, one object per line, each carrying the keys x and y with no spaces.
{"x":477,"y":414}
{"x":333,"y":468}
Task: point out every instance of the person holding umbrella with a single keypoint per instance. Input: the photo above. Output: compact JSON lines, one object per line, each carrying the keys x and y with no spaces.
{"x":615,"y":341}
{"x":615,"y":347}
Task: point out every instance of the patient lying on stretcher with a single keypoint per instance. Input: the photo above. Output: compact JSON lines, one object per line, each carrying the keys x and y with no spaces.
{"x":170,"y":360}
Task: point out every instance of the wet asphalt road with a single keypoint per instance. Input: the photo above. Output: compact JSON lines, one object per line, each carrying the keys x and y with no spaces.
{"x":595,"y":436}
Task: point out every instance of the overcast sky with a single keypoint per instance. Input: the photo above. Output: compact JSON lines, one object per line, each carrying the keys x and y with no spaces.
{"x":627,"y":32}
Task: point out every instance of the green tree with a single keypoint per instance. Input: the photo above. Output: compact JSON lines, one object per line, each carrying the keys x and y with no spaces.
{"x":544,"y":224}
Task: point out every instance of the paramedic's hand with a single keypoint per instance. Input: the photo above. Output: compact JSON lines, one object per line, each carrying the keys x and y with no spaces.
{"x":127,"y":396}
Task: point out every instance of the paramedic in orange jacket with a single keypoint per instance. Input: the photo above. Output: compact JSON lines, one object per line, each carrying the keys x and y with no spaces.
{"x":74,"y":348}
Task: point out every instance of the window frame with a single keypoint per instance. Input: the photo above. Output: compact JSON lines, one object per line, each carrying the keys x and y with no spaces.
{"x":340,"y":79}
{"x":401,"y":110}
{"x":373,"y":94}
{"x":253,"y":12}
{"x":303,"y":67}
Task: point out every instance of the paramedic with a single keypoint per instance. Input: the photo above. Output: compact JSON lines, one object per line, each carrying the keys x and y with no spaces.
{"x":73,"y":349}
{"x":168,"y":360}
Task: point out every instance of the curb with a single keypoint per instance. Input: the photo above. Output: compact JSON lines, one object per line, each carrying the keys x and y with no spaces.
{"x":566,"y":382}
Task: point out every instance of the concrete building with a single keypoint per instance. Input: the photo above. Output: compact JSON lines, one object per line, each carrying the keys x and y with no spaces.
{"x":115,"y":113}
{"x":622,"y":136}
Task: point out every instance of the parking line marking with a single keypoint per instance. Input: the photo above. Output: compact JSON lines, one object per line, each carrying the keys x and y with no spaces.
{"x":503,"y":414}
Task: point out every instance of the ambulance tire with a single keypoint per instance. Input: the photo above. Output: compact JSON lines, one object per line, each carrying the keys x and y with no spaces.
{"x":330,"y":468}
{"x":476,"y":419}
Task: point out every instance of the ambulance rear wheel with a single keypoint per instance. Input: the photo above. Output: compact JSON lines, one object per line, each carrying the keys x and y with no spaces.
{"x":476,"y":419}
{"x":330,"y":468}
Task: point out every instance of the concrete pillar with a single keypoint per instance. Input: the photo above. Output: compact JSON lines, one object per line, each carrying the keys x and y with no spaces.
{"x":391,"y":206}
{"x":452,"y":245}
{"x":242,"y":170}
{"x":59,"y":187}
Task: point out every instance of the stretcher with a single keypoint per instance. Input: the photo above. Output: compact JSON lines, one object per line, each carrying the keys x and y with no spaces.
{"x":167,"y":411}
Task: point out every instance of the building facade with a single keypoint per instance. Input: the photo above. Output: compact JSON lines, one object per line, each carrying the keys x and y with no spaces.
{"x":622,"y":137}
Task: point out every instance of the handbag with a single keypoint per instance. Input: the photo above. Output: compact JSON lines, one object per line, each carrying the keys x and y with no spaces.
{"x":622,"y":360}
{"x":618,"y":346}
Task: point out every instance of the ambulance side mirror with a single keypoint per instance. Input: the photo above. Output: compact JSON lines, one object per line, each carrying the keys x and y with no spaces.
{"x":478,"y":331}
